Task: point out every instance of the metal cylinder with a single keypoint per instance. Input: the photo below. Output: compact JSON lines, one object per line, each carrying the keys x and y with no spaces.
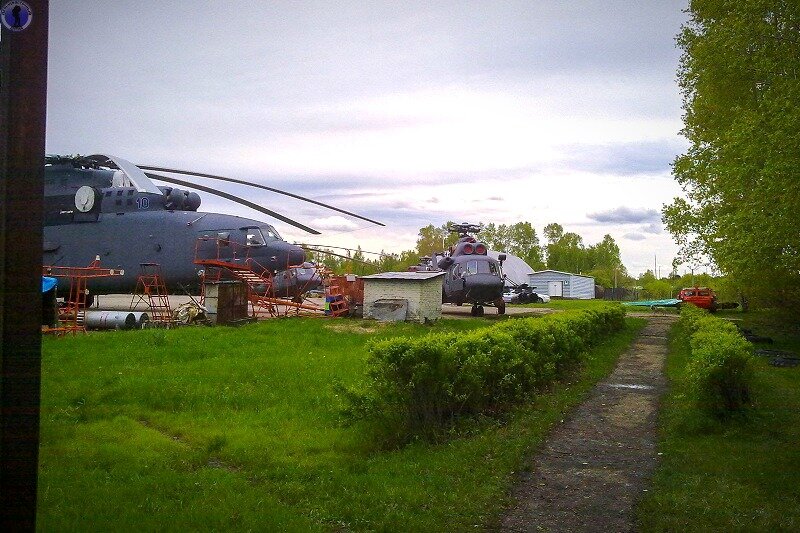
{"x":142,"y":318}
{"x":109,"y":319}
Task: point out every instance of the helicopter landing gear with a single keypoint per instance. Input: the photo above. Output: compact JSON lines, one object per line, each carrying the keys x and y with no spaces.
{"x":477,"y":310}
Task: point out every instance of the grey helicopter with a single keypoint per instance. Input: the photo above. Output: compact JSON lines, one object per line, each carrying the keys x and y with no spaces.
{"x":471,"y":275}
{"x":104,"y":207}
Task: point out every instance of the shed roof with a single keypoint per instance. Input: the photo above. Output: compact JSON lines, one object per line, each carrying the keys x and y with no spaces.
{"x":405,"y":275}
{"x":561,"y":272}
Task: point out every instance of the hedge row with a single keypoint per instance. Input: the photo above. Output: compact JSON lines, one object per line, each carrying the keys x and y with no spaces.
{"x":720,"y":369}
{"x":417,"y":387}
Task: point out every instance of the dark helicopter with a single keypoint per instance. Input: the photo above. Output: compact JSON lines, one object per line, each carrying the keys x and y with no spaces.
{"x":297,"y":280}
{"x":104,"y":206}
{"x":472,"y":276}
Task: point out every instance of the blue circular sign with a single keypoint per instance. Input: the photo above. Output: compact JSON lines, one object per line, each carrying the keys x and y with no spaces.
{"x":16,"y":16}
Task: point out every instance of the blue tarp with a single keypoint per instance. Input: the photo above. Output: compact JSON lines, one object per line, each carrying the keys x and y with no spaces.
{"x":48,"y":283}
{"x":671,"y":302}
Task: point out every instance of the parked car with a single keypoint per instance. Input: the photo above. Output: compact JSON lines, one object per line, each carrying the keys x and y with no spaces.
{"x":509,"y":295}
{"x":543,"y":298}
{"x":522,"y":294}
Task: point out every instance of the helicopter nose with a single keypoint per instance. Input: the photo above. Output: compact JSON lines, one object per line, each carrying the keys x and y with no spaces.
{"x":484,"y":287}
{"x":294,"y":255}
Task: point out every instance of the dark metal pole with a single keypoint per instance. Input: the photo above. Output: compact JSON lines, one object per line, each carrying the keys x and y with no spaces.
{"x":23,"y":99}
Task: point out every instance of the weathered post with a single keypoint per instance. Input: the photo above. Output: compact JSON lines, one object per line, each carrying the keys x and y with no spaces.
{"x":23,"y":98}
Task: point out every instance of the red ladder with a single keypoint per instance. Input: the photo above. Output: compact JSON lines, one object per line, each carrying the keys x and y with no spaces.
{"x":152,"y":290}
{"x":335,"y":302}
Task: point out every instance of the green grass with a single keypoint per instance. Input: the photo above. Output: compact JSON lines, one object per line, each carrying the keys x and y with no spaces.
{"x":567,"y":305}
{"x":238,"y":429}
{"x":738,"y":475}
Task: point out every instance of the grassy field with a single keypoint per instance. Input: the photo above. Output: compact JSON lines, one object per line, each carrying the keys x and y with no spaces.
{"x":567,"y":305}
{"x":238,"y":429}
{"x":738,"y":475}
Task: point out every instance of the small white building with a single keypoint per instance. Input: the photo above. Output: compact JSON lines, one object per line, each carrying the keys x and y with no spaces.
{"x":395,"y":296}
{"x":562,"y":284}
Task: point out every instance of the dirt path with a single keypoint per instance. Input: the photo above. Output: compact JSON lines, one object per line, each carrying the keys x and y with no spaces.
{"x":598,"y":463}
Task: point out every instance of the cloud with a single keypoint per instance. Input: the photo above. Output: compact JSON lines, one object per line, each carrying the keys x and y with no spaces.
{"x":626,"y":215}
{"x":634,"y":236}
{"x":626,"y":158}
{"x":335,"y":223}
{"x":654,"y":228}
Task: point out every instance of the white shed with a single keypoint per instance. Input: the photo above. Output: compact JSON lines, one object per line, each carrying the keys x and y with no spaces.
{"x":415,"y":296}
{"x":562,"y":284}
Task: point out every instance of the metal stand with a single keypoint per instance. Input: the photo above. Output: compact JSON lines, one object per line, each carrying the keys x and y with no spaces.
{"x":71,"y":316}
{"x":152,"y":291}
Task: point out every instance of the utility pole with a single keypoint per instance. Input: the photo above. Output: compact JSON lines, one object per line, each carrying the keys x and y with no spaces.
{"x":23,"y":98}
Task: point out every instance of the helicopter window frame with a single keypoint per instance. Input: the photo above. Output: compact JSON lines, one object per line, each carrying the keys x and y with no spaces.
{"x":272,"y":232}
{"x":253,"y":236}
{"x":223,"y":237}
{"x":473,"y":266}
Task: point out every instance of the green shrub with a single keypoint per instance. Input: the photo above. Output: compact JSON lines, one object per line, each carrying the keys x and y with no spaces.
{"x":720,"y":369}
{"x":420,"y":387}
{"x":690,"y":314}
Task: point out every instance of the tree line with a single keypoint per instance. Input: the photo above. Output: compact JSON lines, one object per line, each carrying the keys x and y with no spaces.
{"x":560,"y":250}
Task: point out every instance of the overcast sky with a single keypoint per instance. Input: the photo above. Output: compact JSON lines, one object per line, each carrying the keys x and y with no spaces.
{"x":407,"y":112}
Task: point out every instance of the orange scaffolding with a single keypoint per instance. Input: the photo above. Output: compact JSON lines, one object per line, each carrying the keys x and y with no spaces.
{"x":236,"y":261}
{"x":152,"y":291}
{"x":71,"y":315}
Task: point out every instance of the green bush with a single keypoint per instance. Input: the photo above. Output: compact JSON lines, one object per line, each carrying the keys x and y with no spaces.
{"x":419,"y":387}
{"x":720,"y":370}
{"x":690,"y":314}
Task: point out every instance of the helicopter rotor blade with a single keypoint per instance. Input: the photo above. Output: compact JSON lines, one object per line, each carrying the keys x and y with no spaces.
{"x":308,"y":245}
{"x":271,"y":189}
{"x":326,"y":252}
{"x":233,"y":198}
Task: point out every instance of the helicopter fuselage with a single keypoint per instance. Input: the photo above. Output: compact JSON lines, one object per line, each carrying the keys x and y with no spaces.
{"x":173,"y":240}
{"x":473,"y":280}
{"x":102,"y":213}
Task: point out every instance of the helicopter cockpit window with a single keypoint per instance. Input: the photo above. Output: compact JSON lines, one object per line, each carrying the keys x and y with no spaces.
{"x":271,"y":233}
{"x":254,"y":237}
{"x":481,"y":267}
